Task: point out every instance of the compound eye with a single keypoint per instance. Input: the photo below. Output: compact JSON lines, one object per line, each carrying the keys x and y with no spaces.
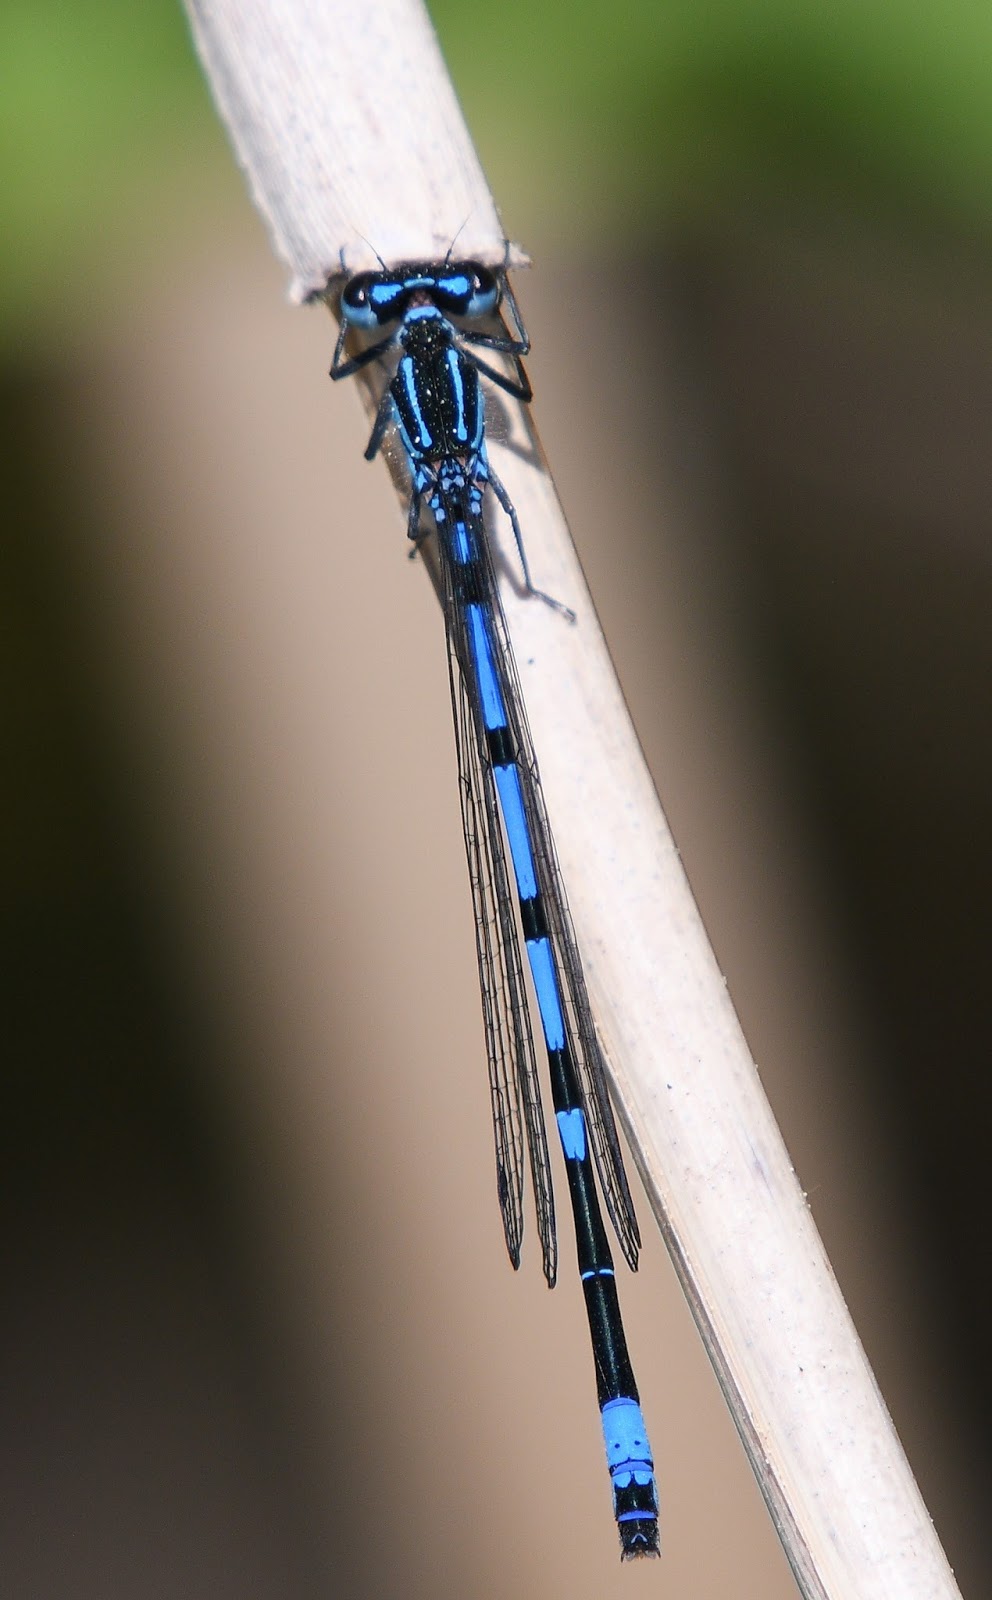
{"x":483,"y":294}
{"x":356,"y":301}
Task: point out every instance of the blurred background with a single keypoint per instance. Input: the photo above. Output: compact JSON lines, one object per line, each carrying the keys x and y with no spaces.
{"x":259,"y":1337}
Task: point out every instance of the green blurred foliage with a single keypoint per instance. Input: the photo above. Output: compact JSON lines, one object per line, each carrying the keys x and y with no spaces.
{"x":587,"y":114}
{"x":104,"y":123}
{"x":622,"y":110}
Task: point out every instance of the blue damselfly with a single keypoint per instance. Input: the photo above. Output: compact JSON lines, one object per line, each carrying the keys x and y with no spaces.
{"x":427,"y":322}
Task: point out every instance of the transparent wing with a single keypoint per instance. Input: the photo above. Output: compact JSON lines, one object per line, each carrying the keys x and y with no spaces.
{"x":513,"y":1077}
{"x":586,"y":1049}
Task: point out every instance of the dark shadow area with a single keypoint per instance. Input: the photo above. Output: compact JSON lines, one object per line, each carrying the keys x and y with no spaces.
{"x":142,"y":1447}
{"x":850,"y":385}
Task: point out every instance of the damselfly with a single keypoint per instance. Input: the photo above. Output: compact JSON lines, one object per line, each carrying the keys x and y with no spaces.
{"x":427,"y":322}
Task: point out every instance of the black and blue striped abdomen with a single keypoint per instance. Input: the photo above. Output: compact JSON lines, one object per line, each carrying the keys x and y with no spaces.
{"x":435,"y":400}
{"x":628,"y":1451}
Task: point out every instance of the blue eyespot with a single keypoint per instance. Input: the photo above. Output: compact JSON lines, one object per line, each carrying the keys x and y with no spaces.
{"x":467,"y":288}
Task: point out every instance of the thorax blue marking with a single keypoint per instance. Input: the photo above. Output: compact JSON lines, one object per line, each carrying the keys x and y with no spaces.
{"x":454,"y":373}
{"x":406,"y":372}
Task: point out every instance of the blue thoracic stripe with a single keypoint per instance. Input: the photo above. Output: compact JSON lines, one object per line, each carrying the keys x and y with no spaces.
{"x":454,"y":372}
{"x":435,"y":406}
{"x":542,"y":968}
{"x":407,"y":376}
{"x":517,"y":832}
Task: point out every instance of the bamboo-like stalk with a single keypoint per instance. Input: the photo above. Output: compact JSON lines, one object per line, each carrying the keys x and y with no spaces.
{"x":353,"y":144}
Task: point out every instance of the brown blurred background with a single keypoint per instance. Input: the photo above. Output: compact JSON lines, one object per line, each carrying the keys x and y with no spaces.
{"x":259,"y":1336}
